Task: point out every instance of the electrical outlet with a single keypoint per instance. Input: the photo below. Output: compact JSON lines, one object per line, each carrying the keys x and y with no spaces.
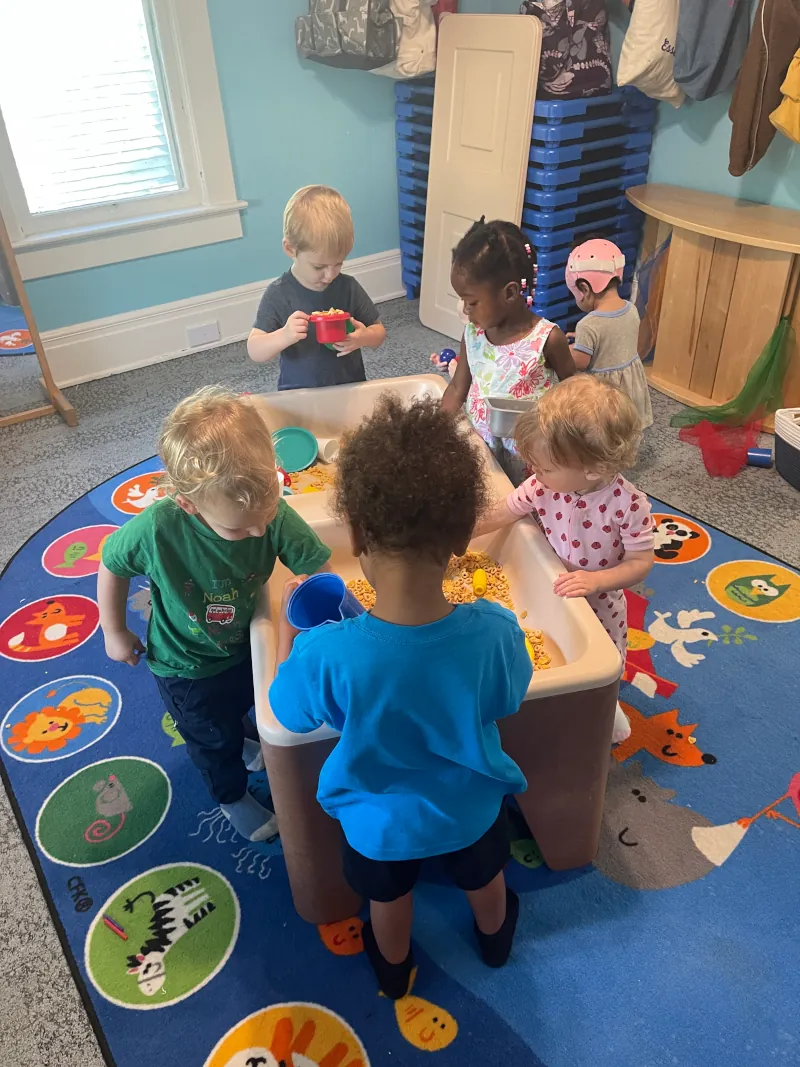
{"x":205,"y":334}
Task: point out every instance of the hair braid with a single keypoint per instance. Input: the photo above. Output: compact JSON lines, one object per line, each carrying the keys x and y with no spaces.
{"x":496,"y":253}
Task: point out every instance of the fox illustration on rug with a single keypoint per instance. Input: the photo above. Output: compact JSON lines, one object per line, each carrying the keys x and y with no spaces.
{"x":663,"y":737}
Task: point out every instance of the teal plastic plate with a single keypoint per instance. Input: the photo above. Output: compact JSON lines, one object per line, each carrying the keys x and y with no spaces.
{"x":295,"y":448}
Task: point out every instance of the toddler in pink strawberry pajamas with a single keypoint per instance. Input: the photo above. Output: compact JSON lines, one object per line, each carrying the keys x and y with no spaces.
{"x":579,"y":437}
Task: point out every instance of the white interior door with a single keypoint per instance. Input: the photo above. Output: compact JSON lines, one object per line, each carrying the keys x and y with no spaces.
{"x":486,"y":75}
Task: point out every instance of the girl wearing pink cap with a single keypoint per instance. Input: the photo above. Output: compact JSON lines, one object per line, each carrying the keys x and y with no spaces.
{"x":606,"y":339}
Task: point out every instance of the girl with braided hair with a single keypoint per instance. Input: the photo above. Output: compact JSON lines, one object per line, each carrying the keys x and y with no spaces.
{"x":506,"y":350}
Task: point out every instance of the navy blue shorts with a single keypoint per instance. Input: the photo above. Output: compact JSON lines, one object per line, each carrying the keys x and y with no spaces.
{"x":469,"y":868}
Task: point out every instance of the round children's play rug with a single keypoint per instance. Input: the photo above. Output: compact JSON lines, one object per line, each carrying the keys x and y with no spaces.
{"x":675,"y":948}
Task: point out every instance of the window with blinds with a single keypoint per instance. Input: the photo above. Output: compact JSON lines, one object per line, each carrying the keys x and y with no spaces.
{"x":82,"y":102}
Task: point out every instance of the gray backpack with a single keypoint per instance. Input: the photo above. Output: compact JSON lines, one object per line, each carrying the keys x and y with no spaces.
{"x":359,"y":34}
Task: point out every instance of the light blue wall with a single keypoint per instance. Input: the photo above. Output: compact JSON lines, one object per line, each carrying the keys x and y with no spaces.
{"x":289,"y":123}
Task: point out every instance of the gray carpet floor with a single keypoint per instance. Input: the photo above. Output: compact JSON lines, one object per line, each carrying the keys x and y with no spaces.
{"x":46,"y":466}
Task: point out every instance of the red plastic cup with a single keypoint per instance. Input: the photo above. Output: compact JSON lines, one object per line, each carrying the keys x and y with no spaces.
{"x":331,"y":328}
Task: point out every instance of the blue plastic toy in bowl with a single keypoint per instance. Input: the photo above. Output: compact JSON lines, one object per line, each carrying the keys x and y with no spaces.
{"x":321,"y":598}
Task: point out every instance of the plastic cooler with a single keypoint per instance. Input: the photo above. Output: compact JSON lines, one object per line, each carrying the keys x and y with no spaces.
{"x":787,"y":445}
{"x":561,"y":736}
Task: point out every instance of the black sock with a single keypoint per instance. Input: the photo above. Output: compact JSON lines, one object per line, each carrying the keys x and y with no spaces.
{"x":393,"y":978}
{"x":496,"y":948}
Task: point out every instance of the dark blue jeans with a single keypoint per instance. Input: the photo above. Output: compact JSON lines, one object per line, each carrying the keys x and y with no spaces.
{"x":208,"y":714}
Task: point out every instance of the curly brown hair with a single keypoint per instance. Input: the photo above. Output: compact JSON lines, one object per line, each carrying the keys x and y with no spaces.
{"x":411,"y":480}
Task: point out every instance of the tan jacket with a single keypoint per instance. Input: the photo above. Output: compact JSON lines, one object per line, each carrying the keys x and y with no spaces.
{"x":758,"y":87}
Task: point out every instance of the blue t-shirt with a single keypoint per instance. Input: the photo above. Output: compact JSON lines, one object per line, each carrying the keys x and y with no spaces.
{"x":419,"y":770}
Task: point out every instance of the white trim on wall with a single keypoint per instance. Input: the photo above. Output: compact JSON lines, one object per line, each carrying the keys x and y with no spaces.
{"x":120,"y":343}
{"x":204,"y":210}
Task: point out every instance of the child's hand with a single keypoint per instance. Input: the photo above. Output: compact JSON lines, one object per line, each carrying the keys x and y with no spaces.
{"x":578,"y":583}
{"x":288,"y":589}
{"x":296,"y":328}
{"x":438,"y":362}
{"x":353,"y":340}
{"x":124,"y":647}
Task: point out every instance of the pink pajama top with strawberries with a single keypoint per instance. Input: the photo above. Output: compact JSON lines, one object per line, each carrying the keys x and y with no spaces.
{"x":591,"y":531}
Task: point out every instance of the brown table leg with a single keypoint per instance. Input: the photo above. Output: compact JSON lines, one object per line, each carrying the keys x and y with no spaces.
{"x":311,"y":839}
{"x":562,"y":745}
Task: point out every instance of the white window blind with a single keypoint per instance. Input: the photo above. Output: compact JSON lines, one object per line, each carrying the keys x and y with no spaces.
{"x":81,"y":98}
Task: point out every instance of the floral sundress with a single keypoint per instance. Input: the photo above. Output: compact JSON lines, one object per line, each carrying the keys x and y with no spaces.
{"x":514,"y":370}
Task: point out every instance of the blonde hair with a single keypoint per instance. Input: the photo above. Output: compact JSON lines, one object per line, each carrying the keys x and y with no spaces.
{"x":583,"y":422}
{"x":318,"y":219}
{"x":215,"y":443}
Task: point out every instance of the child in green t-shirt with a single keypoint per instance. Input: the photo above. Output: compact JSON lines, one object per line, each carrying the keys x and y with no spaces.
{"x":207,"y":547}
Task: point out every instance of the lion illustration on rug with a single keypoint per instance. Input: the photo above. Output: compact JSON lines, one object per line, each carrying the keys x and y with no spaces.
{"x":50,"y":728}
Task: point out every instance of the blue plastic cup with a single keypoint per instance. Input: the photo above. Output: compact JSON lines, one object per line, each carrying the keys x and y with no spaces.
{"x":321,"y":598}
{"x":759,"y":457}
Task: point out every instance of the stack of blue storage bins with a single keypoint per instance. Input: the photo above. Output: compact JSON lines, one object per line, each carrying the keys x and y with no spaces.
{"x":413,"y":107}
{"x":584,"y":154}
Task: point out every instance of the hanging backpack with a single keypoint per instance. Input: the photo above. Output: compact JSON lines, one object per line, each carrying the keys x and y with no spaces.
{"x":576,"y":51}
{"x":358,"y":34}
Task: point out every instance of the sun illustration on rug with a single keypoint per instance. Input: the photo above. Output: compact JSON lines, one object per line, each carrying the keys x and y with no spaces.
{"x":290,"y":1035}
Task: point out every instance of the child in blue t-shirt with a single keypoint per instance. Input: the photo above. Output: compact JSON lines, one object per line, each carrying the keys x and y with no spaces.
{"x":414,"y":687}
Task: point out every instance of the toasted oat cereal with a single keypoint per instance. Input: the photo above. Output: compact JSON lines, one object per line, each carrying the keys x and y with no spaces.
{"x":363,"y":592}
{"x":541,"y":660}
{"x":457,"y":586}
{"x":313,"y":479}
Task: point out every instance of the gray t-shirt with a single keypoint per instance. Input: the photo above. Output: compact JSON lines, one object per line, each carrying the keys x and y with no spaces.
{"x":309,"y":363}
{"x":608,"y":337}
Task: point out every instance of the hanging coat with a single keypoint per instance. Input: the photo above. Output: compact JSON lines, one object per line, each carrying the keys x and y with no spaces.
{"x":710,"y":45}
{"x":774,"y":39}
{"x":786,"y":116}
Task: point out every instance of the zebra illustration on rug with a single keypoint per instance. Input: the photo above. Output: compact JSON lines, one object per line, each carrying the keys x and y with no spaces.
{"x":175,"y":912}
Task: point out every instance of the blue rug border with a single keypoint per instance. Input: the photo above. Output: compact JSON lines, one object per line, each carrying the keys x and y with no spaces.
{"x":83,"y":992}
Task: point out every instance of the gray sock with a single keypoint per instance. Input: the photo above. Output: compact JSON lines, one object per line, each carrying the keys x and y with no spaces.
{"x":252,"y":755}
{"x":250,"y":819}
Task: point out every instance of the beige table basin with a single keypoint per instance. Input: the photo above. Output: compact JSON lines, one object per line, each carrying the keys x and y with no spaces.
{"x":560,"y":738}
{"x":583,"y":656}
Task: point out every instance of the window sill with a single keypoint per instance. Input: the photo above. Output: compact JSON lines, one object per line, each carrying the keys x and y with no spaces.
{"x":63,"y":251}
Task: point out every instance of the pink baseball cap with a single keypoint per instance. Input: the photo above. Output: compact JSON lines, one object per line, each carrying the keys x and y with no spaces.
{"x":596,"y":262}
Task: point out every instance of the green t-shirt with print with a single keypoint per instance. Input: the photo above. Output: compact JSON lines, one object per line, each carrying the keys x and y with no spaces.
{"x":203,"y":588}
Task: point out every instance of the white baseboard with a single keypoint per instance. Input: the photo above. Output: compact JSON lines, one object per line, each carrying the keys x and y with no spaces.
{"x":120,"y":343}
